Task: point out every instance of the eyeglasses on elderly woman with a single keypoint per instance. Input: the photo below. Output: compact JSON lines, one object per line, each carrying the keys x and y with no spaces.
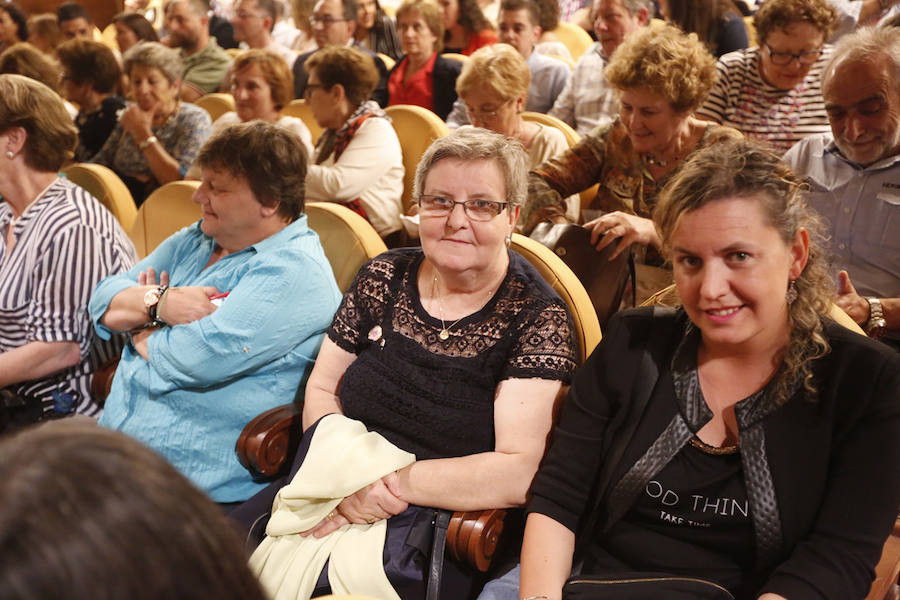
{"x":476,"y":209}
{"x":785,"y":58}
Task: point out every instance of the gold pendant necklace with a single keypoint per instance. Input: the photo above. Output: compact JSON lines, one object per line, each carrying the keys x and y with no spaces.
{"x":444,"y":334}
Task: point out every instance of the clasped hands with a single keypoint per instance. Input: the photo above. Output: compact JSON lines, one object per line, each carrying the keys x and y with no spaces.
{"x":378,"y":500}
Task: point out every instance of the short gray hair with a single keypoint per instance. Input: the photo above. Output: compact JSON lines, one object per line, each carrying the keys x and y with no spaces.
{"x":634,"y":7}
{"x":864,"y":44}
{"x":154,"y":54}
{"x":474,"y":143}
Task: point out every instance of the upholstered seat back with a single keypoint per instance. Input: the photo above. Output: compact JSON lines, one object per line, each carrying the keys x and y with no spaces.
{"x":349,"y":240}
{"x":104,"y":185}
{"x":164,"y":212}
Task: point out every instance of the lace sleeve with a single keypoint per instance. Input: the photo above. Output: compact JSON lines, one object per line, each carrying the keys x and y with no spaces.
{"x":545,"y":347}
{"x":363,"y":305}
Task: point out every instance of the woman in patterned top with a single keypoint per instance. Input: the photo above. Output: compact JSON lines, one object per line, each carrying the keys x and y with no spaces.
{"x":745,"y":438}
{"x":662,"y":76}
{"x":454,"y":351}
{"x":58,"y":242}
{"x":158,"y":136}
{"x":772,"y":91}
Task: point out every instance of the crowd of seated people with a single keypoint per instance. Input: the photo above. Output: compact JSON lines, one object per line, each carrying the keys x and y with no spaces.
{"x":759,"y":186}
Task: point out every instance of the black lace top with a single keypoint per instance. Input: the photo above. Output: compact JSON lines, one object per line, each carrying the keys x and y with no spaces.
{"x":433,"y":397}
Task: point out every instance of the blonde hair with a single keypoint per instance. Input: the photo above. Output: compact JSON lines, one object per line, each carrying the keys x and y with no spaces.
{"x":778,"y":14}
{"x":51,"y":136}
{"x":499,"y":69}
{"x":666,"y":61}
{"x":742,"y":168}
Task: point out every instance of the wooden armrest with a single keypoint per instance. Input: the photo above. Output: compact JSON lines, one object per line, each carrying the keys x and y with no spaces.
{"x":267,"y":445}
{"x":472,"y":537}
{"x":888,"y":569}
{"x":268,"y":442}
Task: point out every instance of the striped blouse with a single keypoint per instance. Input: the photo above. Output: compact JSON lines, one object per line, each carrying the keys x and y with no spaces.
{"x":742,"y":100}
{"x":66,"y":242}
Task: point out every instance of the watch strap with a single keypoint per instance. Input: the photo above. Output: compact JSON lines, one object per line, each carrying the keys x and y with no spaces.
{"x":875,"y":325}
{"x":153,"y":309}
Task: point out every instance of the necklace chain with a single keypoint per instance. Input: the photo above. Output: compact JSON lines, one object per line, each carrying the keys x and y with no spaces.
{"x":444,"y":334}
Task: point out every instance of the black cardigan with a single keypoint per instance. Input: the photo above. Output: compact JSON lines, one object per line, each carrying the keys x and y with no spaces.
{"x":835,"y":463}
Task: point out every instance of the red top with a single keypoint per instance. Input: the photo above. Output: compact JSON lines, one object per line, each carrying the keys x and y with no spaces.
{"x":419,"y":90}
{"x":485,"y":37}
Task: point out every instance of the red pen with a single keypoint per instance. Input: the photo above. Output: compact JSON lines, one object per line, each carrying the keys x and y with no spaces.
{"x":217,"y":298}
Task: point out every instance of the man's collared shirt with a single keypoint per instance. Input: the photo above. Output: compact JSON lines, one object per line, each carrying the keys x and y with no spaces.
{"x":861,"y":206}
{"x":588,"y":100}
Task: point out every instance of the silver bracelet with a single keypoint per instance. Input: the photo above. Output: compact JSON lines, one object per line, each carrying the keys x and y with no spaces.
{"x":538,"y":597}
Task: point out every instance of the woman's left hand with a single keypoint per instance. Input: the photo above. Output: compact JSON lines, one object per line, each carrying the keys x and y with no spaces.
{"x":378,"y":500}
{"x":137,"y":122}
{"x":628,"y":229}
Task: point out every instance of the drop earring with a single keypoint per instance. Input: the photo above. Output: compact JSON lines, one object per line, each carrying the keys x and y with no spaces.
{"x":791,"y":295}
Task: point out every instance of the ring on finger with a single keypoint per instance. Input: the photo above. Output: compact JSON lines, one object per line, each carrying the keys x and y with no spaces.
{"x":331,"y":515}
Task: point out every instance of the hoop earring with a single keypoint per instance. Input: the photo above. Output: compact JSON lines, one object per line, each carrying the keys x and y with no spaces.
{"x":791,"y":295}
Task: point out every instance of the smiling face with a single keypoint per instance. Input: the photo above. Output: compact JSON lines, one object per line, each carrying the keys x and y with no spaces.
{"x":863,"y":108}
{"x":650,"y":120}
{"x":252,"y":95}
{"x":151,"y":89}
{"x":455,"y":242}
{"x":416,"y":39}
{"x":612,"y":23}
{"x":796,"y":38}
{"x":732,"y":270}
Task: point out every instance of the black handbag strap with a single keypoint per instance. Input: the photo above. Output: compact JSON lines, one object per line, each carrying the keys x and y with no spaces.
{"x":441,"y":522}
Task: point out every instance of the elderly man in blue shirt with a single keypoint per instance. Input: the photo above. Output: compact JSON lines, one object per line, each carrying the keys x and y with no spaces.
{"x":235,"y":319}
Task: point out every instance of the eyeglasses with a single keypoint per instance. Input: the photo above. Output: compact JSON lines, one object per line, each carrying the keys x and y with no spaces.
{"x":246,"y":14}
{"x":785,"y":58}
{"x":476,"y":210}
{"x":476,"y":113}
{"x":324,"y":21}
{"x":310,"y":87}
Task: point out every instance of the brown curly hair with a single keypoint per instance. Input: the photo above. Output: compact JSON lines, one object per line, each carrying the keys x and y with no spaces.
{"x":778,"y":14}
{"x":666,"y":61}
{"x":743,"y":168}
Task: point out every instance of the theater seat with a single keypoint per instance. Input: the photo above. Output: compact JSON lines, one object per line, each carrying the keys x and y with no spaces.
{"x":164,"y":212}
{"x":104,"y":185}
{"x":216,"y":104}
{"x":574,"y":38}
{"x":299,"y":109}
{"x":416,"y":127}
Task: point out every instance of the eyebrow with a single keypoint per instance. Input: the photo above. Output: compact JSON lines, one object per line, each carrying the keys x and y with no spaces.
{"x":832,"y":105}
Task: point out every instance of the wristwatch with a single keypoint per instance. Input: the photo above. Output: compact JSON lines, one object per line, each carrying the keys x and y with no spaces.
{"x":876,"y":324}
{"x":151,"y":301}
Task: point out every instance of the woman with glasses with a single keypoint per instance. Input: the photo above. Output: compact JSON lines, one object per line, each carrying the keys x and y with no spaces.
{"x":494,"y":87}
{"x":358,"y":161}
{"x":423,"y":77}
{"x":453,"y":351}
{"x":772,"y":91}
